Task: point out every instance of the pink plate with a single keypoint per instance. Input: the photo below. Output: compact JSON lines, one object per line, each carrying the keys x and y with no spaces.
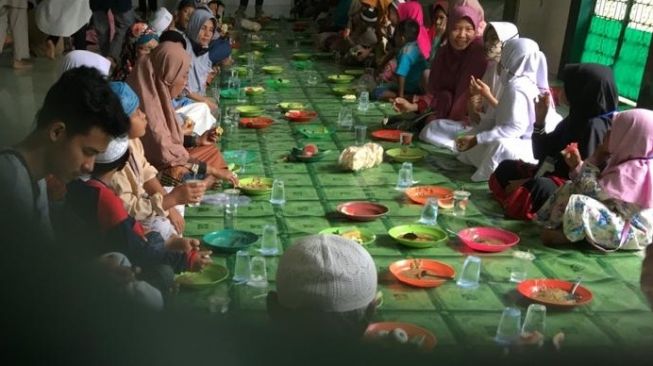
{"x":387,"y":135}
{"x":488,"y":239}
{"x":532,"y":288}
{"x":362,"y":210}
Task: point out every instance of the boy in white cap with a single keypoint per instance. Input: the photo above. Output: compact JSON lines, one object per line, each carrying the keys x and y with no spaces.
{"x":161,"y":21}
{"x":326,"y":283}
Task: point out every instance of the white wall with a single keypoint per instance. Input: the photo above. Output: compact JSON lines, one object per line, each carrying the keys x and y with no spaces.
{"x":545,"y":22}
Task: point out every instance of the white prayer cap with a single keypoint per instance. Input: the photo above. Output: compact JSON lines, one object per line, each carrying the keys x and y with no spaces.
{"x":161,"y":21}
{"x":116,"y":149}
{"x":79,"y":58}
{"x":326,"y":273}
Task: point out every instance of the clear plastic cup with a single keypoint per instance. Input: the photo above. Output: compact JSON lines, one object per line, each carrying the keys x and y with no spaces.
{"x":345,"y":118}
{"x":364,"y":101}
{"x":429,"y":212}
{"x":231,"y":208}
{"x":509,"y":327}
{"x":242,"y":267}
{"x":535,"y":322}
{"x":194,"y":182}
{"x":405,"y":140}
{"x":460,"y":202}
{"x":242,"y":160}
{"x":278,"y":195}
{"x":470,"y":274}
{"x":312,"y":77}
{"x":405,"y":178}
{"x":361,"y":134}
{"x":258,"y":274}
{"x":269,"y":240}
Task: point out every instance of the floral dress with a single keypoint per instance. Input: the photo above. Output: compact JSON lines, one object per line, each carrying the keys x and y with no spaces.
{"x":586,"y":212}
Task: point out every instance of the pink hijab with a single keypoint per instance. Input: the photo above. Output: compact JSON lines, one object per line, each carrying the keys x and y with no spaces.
{"x":413,"y":10}
{"x":451,"y":70}
{"x":629,"y":174}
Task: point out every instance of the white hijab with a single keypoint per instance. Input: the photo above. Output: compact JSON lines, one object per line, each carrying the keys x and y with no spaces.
{"x":62,"y":17}
{"x":80,"y":58}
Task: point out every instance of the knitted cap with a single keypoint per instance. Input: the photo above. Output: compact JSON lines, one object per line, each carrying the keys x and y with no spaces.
{"x":128,"y":98}
{"x":326,"y":273}
{"x":161,"y":21}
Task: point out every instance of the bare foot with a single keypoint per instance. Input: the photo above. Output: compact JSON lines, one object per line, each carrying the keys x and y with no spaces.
{"x":21,"y":65}
{"x":49,"y":49}
{"x":553,"y":237}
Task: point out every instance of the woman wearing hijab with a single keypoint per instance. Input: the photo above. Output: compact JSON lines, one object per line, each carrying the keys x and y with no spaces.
{"x":508,"y":135}
{"x":461,"y":58}
{"x":140,"y":41}
{"x":199,"y":33}
{"x":438,"y":13}
{"x":592,"y":95}
{"x":157,"y":79}
{"x":611,"y":209}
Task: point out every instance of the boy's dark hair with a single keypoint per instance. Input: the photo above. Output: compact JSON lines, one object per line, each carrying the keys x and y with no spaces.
{"x":99,"y":168}
{"x":82,"y":99}
{"x":186,"y":4}
{"x":409,"y":29}
{"x":172,"y":36}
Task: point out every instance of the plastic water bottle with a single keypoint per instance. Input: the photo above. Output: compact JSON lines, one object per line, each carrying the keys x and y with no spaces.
{"x":364,"y":101}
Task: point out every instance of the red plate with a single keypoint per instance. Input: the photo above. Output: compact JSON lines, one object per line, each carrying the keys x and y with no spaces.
{"x":256,"y":122}
{"x":403,"y":271}
{"x":362,"y":210}
{"x":530,"y":288}
{"x":373,"y":330}
{"x":421,"y":194}
{"x":387,"y":135}
{"x":488,"y":239}
{"x":300,"y":116}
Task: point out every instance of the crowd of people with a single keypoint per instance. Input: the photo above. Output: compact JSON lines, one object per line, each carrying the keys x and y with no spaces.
{"x":113,"y":143}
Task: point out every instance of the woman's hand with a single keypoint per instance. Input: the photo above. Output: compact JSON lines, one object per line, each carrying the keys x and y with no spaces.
{"x":464,"y":143}
{"x":478,"y":87}
{"x":203,"y":260}
{"x":542,"y":104}
{"x":402,"y":105}
{"x":208,"y":138}
{"x":188,"y":193}
{"x":179,"y":244}
{"x":572,"y":158}
{"x":188,"y":126}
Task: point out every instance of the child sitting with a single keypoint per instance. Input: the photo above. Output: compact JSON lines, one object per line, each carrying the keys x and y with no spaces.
{"x":610,"y":208}
{"x":410,"y":64}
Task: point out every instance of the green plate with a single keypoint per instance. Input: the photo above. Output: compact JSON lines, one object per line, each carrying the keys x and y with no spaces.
{"x":259,"y":44}
{"x":231,"y":156}
{"x":367,"y":236}
{"x":229,"y":93}
{"x":210,"y":275}
{"x":302,"y":65}
{"x":355,"y":72}
{"x":257,"y":55}
{"x":255,"y":191}
{"x":286,"y":106}
{"x":343,"y":90}
{"x":277,"y":83}
{"x":410,"y":154}
{"x":315,"y":132}
{"x":249,"y":110}
{"x":301,"y":56}
{"x":252,"y":91}
{"x":438,"y":235}
{"x":241,"y":70}
{"x":229,"y":240}
{"x":272,"y":69}
{"x":296,"y":154}
{"x":340,"y":78}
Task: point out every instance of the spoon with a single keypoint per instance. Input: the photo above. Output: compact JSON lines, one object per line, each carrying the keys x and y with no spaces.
{"x":425,"y":273}
{"x":572,"y":294}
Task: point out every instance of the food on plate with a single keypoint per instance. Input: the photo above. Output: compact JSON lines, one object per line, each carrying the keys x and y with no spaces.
{"x":354,"y":235}
{"x":256,"y":183}
{"x":349,"y":98}
{"x":418,"y":237}
{"x":254,"y":89}
{"x":554,"y":295}
{"x":445,"y":203}
{"x":310,"y":149}
{"x":488,"y":241}
{"x":400,"y":336}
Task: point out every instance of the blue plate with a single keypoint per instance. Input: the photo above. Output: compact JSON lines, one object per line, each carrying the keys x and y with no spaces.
{"x":232,"y":156}
{"x":229,"y":240}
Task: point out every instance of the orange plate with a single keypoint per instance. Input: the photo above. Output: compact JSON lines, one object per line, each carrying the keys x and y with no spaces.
{"x":372,"y":331}
{"x":362,"y":210}
{"x":399,"y":268}
{"x":387,"y":135}
{"x":300,"y":116}
{"x":256,"y":122}
{"x":530,"y":287}
{"x":420,"y":194}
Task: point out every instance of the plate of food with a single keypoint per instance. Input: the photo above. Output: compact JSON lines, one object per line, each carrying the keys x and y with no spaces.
{"x":340,"y":78}
{"x":229,"y":93}
{"x":209,"y":276}
{"x":360,"y":235}
{"x":488,"y":239}
{"x":315,"y":132}
{"x":307,"y":154}
{"x":387,"y":135}
{"x":257,"y":55}
{"x":259,"y":44}
{"x":554,"y":292}
{"x":256,"y":122}
{"x":229,"y":240}
{"x":349,"y":98}
{"x":272,"y":69}
{"x":343,"y":90}
{"x":425,"y":273}
{"x":362,"y":210}
{"x":418,"y":236}
{"x":300,"y":116}
{"x":255,"y":186}
{"x":254,"y":90}
{"x":301,"y":56}
{"x":286,"y":106}
{"x":249,"y":110}
{"x":396,"y":333}
{"x":421,"y":194}
{"x":411,"y":154}
{"x":277,"y":83}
